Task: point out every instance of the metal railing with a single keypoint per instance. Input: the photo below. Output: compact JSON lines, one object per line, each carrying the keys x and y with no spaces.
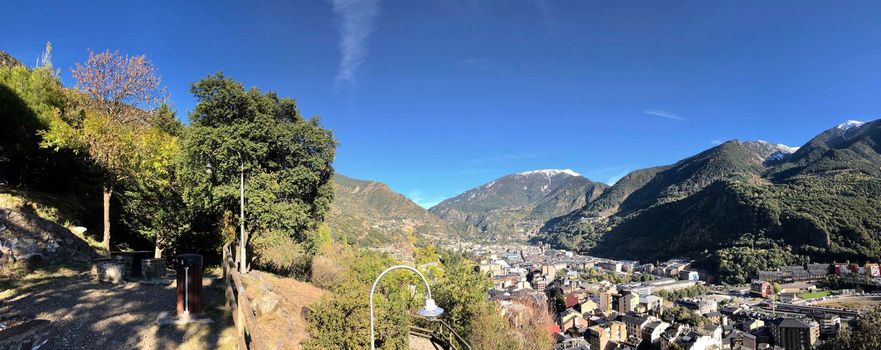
{"x":439,"y":331}
{"x":247,"y":330}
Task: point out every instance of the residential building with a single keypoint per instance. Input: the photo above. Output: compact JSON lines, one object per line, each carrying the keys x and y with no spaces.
{"x":571,"y":319}
{"x":587,"y":307}
{"x":603,"y":337}
{"x":761,"y":288}
{"x":635,"y":324}
{"x":605,"y":301}
{"x":539,"y":283}
{"x":549,"y":271}
{"x":689,"y":275}
{"x":628,"y":303}
{"x":613,"y":266}
{"x":795,"y":334}
{"x":652,"y":331}
{"x":652,"y":304}
{"x":872,"y":270}
{"x":830,"y":324}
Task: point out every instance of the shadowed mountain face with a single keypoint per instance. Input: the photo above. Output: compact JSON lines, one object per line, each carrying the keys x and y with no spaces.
{"x":517,"y":205}
{"x":822,"y":200}
{"x":371,"y":214}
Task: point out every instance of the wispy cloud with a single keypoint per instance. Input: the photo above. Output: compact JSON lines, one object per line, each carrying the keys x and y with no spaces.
{"x":419,"y":198}
{"x":717,"y":142}
{"x":663,"y":114}
{"x":355,"y":20}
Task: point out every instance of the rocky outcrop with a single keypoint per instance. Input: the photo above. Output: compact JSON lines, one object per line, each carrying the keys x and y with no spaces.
{"x":27,"y":239}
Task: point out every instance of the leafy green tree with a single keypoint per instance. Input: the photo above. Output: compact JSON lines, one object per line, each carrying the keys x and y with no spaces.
{"x":462,"y":293}
{"x":341,"y":320}
{"x":285,"y":157}
{"x":864,"y":336}
{"x":106,"y":119}
{"x":683,"y":315}
{"x":29,"y":98}
{"x":154,"y":206}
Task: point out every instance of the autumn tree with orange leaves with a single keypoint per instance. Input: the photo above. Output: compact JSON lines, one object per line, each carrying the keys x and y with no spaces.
{"x":108,"y":117}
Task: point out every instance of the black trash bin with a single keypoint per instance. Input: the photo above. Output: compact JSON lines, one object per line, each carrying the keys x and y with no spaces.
{"x":189,"y":283}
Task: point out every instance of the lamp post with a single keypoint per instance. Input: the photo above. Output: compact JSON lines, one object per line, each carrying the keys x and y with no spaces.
{"x":242,"y":262}
{"x":430,"y":310}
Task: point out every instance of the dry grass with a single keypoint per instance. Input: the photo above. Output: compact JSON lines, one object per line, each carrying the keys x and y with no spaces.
{"x":855,"y":303}
{"x":286,"y":328}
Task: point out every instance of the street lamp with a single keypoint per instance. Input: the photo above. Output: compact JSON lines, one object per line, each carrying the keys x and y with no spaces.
{"x":241,"y":255}
{"x":242,"y":261}
{"x":430,"y":310}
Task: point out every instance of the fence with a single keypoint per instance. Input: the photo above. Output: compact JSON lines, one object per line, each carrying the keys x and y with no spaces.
{"x":440,"y":331}
{"x":237,"y":300}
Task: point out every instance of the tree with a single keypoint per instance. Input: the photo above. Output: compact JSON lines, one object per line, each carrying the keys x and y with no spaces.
{"x":864,"y":336}
{"x":491,"y":332}
{"x":287,"y":160}
{"x":462,"y":293}
{"x":107,"y":119}
{"x":29,"y":98}
{"x":116,"y":83}
{"x":154,"y":204}
{"x":341,"y":319}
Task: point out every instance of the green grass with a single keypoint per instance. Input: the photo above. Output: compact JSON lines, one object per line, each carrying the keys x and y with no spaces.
{"x":813,"y":295}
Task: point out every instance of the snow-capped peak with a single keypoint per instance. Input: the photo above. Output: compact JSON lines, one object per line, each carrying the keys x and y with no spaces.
{"x":849,"y":124}
{"x":780,"y":147}
{"x":551,"y":172}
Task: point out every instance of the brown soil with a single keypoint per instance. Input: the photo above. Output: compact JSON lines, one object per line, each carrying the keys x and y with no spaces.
{"x":93,"y":315}
{"x":287,"y":327}
{"x":854,"y":303}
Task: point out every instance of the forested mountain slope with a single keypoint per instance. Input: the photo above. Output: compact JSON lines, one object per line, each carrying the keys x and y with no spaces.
{"x":822,"y":201}
{"x":370,"y":213}
{"x":517,"y":205}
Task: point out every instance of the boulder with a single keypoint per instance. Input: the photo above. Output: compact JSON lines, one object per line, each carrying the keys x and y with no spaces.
{"x":265,"y":304}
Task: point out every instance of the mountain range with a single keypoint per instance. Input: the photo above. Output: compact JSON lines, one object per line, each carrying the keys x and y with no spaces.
{"x":821,"y":201}
{"x":517,"y":205}
{"x":736,"y":208}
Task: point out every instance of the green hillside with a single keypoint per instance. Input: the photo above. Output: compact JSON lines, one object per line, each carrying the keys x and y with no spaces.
{"x":730,"y":205}
{"x":369,"y":213}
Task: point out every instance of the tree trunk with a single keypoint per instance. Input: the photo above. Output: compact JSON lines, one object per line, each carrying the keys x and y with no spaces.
{"x":157,"y":252}
{"x":108,"y":191}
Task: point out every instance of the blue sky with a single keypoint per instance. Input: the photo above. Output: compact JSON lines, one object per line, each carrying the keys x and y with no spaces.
{"x":436,"y":96}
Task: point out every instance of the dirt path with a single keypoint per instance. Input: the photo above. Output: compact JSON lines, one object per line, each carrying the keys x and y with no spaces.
{"x":94,"y":315}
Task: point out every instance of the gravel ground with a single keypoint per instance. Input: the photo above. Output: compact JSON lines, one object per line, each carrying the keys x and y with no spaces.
{"x":96,"y":315}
